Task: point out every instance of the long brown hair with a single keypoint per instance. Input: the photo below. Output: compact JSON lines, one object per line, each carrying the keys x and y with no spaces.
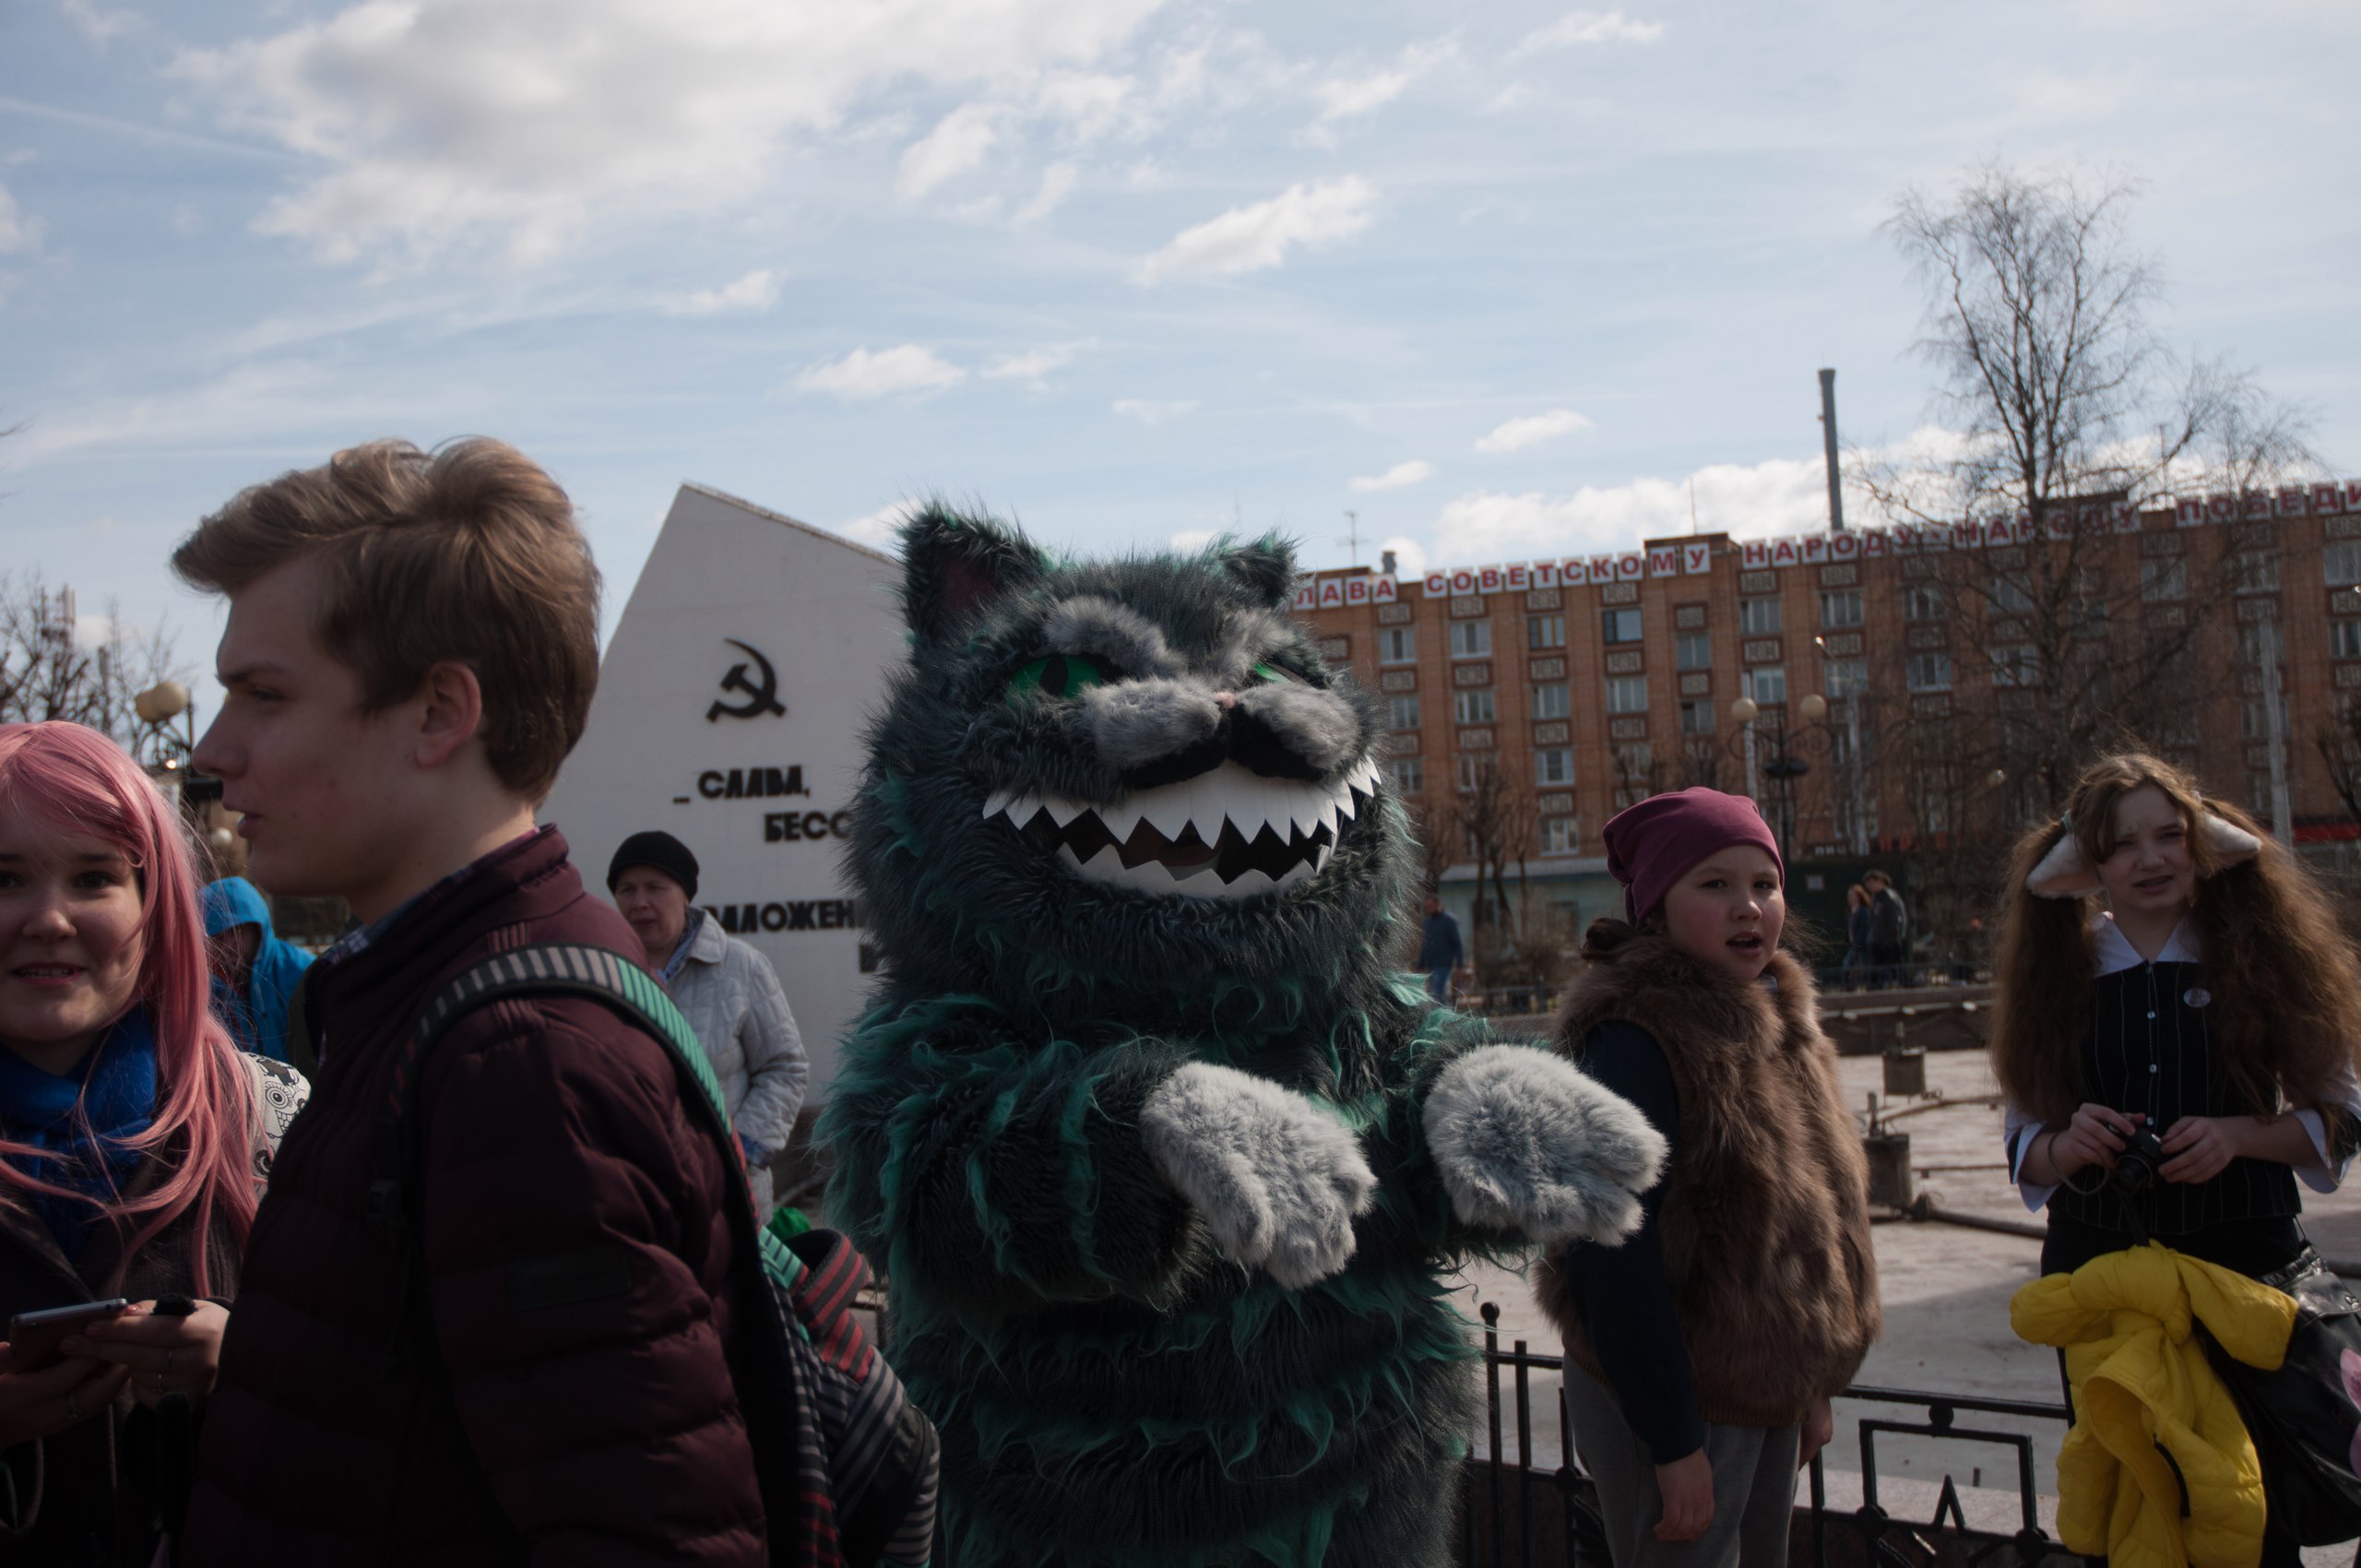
{"x":2286,"y":991}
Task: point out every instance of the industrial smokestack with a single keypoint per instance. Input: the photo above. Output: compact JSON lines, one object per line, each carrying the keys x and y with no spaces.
{"x":1828,"y":436}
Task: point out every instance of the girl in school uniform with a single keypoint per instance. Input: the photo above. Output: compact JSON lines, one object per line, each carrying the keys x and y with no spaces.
{"x":2175,"y":998}
{"x":1703,"y":1351}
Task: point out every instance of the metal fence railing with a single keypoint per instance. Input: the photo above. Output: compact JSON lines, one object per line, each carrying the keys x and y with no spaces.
{"x":1521,"y":1506}
{"x":1519,"y":1510}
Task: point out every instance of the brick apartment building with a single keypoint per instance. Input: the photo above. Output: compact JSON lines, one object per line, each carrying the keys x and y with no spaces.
{"x":1893,"y":674}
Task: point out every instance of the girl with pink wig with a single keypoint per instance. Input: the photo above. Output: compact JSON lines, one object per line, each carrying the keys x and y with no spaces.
{"x":132,"y":1137}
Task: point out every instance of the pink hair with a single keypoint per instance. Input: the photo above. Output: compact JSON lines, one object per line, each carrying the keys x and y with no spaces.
{"x":78,"y":780}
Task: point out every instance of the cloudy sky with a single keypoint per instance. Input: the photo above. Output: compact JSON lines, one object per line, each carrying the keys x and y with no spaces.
{"x":1503,"y":281}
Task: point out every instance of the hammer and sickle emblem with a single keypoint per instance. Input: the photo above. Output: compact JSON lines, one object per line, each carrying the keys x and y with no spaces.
{"x":762,"y":693}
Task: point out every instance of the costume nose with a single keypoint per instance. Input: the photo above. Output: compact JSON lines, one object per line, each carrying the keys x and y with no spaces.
{"x":1226,"y":699}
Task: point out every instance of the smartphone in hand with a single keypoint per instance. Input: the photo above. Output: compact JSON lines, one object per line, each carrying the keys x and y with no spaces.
{"x":33,"y":1337}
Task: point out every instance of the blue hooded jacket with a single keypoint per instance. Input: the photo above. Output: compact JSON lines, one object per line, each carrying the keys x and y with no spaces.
{"x":258,"y":1020}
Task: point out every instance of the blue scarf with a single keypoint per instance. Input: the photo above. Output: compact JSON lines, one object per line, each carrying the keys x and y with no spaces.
{"x":116,"y":1089}
{"x":671,"y":970}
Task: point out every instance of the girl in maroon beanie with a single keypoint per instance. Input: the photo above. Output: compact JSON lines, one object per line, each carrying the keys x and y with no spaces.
{"x":1703,"y":1352}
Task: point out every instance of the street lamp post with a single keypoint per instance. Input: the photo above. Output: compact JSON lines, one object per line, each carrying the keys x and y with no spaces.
{"x":1744,"y":712}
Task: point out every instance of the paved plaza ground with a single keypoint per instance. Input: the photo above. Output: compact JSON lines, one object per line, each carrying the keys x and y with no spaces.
{"x":1946,"y":1290}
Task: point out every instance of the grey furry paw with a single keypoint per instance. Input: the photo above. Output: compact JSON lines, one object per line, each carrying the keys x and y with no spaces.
{"x":1525,"y":1141}
{"x":1277,"y":1177}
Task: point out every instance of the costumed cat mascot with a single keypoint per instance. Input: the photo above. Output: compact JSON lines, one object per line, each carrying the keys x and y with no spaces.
{"x":1162,"y":1159}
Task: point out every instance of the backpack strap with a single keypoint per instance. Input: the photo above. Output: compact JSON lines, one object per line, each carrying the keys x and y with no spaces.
{"x":598,"y":974}
{"x":781,"y":1438}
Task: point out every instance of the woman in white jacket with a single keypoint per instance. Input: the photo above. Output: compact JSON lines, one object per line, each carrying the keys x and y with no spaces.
{"x":726,"y":990}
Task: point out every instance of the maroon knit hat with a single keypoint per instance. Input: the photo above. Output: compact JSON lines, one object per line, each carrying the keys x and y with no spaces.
{"x":1653,"y":844}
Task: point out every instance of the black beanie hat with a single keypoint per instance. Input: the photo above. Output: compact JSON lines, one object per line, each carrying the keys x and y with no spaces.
{"x":657,"y":852}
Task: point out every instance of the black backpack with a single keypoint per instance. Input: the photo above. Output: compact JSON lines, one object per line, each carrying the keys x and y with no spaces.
{"x":847,"y":1465}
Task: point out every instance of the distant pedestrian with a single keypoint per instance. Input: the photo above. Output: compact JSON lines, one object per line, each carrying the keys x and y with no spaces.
{"x":1441,"y":949}
{"x":1858,"y":921}
{"x":1702,"y":1350}
{"x":728,"y":993}
{"x":254,"y":971}
{"x":1889,"y":932}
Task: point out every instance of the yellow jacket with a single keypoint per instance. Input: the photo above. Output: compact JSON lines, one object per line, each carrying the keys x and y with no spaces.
{"x":2144,"y":1391}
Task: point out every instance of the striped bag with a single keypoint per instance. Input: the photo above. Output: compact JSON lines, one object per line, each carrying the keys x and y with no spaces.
{"x":846,"y":1463}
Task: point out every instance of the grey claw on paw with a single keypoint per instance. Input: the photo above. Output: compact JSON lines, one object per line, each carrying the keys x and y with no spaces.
{"x":1277,"y":1177}
{"x":1525,"y":1141}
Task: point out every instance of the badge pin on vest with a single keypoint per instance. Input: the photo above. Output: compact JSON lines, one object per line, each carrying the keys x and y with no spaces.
{"x":2196,"y":996}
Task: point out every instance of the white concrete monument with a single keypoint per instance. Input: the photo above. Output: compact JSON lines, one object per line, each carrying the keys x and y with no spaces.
{"x":729,"y":714}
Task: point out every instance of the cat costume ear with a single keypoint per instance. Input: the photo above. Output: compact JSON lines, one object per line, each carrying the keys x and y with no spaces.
{"x":955,"y":564}
{"x":2067,"y":872}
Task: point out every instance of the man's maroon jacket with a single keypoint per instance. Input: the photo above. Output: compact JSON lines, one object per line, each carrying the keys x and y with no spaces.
{"x":597,"y":1427}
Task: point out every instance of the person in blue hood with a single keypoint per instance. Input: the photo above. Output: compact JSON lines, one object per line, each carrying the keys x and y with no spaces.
{"x":255,"y":973}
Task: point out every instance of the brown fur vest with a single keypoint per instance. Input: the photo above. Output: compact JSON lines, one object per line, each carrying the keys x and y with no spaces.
{"x":1766,"y":1223}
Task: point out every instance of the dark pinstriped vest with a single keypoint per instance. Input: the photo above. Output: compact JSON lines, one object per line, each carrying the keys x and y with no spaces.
{"x":2152,"y":1052}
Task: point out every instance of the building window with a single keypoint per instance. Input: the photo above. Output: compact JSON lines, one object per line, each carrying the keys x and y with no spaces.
{"x":1401,"y":713}
{"x":1842,"y":678}
{"x":2260,"y":644}
{"x":2345,"y":639}
{"x":2161,"y":582}
{"x":1697,"y":718}
{"x":2342,"y":562}
{"x":1544,"y":631}
{"x":2259,"y":795}
{"x":2255,"y":571}
{"x":1557,"y":835}
{"x":1839,"y":607}
{"x":1758,"y":617}
{"x":1397,"y":645}
{"x":1767,"y":685}
{"x":1627,"y":694}
{"x":1621,"y":625}
{"x":2016,"y":664}
{"x":1466,"y":768}
{"x":1473,"y":705}
{"x":1635,"y":774}
{"x":2008,"y":597}
{"x":1408,"y":775}
{"x":1471,"y":639}
{"x":1929,"y":673}
{"x":1553,"y":766}
{"x":1693,"y":650}
{"x":2256,"y":715}
{"x":1553,"y":701}
{"x":1925,"y":603}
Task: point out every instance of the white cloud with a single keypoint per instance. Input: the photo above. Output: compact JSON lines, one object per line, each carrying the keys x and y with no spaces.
{"x":1533,"y":429}
{"x":1782,"y":495}
{"x":1152,"y":413}
{"x":757,"y":291}
{"x":1577,"y":27}
{"x":954,"y":147}
{"x":862,"y":375}
{"x":1397,"y":477}
{"x":442,"y":123}
{"x":99,"y":27}
{"x":1348,"y":97}
{"x":881,"y":528}
{"x":18,"y":233}
{"x":1057,"y":183}
{"x":1248,"y":239}
{"x":1035,"y":364}
{"x":1191,"y":541}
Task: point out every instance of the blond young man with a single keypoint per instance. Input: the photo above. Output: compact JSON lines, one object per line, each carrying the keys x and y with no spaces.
{"x":410,"y":653}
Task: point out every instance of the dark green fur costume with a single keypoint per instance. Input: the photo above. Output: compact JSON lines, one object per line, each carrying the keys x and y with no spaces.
{"x":1111,"y":1386}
